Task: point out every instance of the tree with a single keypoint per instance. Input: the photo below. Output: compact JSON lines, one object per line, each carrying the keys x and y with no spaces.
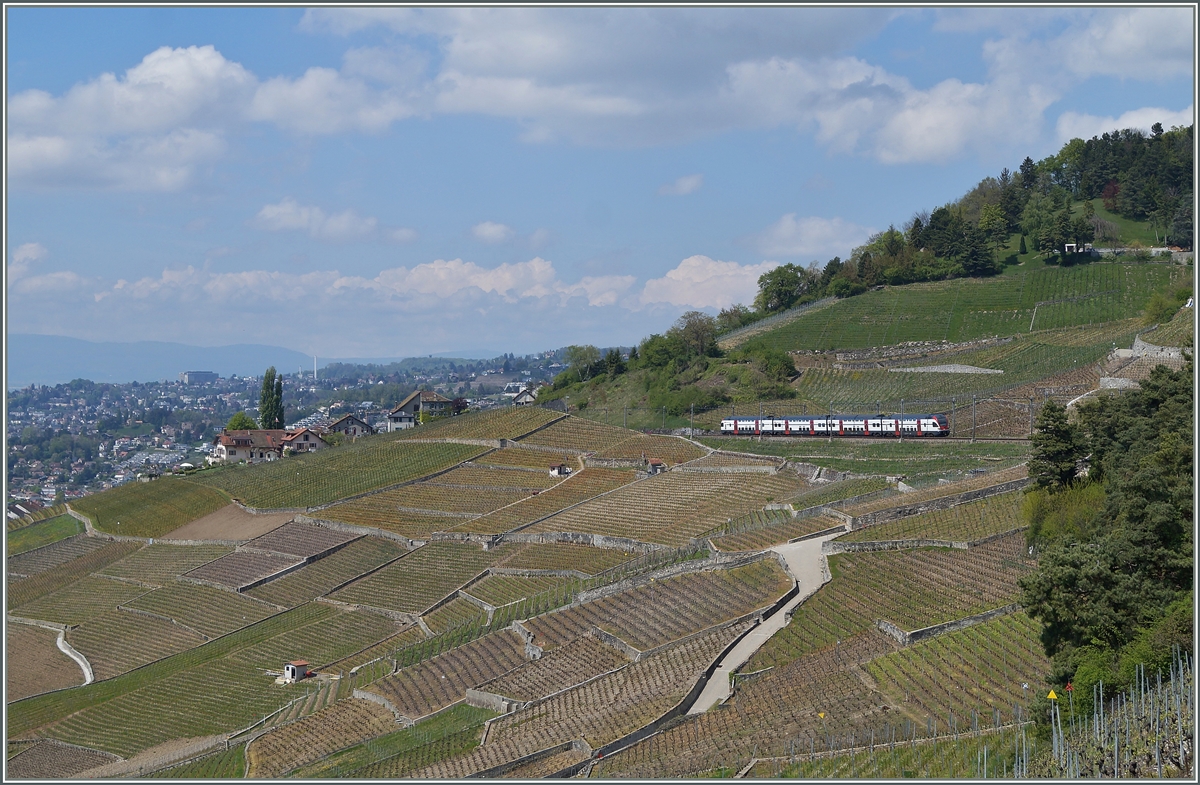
{"x":458,"y":405}
{"x":779,"y":289}
{"x":1023,"y":249}
{"x":697,"y":330}
{"x":583,"y":360}
{"x":270,"y":400}
{"x":994,"y":224}
{"x":613,"y":364}
{"x":241,"y":422}
{"x":733,"y":317}
{"x":1056,"y":448}
{"x":1028,"y":173}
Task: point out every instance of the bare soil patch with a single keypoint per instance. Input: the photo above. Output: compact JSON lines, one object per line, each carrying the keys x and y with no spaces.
{"x":34,"y":663}
{"x":229,"y":523}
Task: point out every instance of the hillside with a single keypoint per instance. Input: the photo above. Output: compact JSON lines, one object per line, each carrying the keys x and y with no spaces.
{"x":680,"y":603}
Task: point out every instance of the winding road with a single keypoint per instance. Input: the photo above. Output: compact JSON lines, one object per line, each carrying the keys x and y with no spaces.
{"x":807,"y":565}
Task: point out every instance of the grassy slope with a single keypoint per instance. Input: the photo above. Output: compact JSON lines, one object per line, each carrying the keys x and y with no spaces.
{"x":43,"y":533}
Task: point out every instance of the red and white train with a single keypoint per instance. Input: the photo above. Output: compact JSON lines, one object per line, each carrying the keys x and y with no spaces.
{"x":838,"y":425}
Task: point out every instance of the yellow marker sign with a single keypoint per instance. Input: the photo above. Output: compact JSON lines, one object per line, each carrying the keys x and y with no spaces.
{"x":821,"y":714}
{"x":1052,"y":696}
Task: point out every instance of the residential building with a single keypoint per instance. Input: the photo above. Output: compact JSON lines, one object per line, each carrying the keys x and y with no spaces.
{"x":251,"y":446}
{"x":351,"y":426}
{"x":303,"y":440}
{"x":422,"y":403}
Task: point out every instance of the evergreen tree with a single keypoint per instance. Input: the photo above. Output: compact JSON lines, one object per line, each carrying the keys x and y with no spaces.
{"x":1056,"y":448}
{"x":270,"y":400}
{"x":1023,"y":249}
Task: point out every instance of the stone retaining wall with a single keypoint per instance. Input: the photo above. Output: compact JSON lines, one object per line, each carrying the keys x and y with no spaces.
{"x":941,"y":503}
{"x":350,"y":528}
{"x":382,"y":701}
{"x":908,"y":638}
{"x":832,"y":547}
{"x":579,"y":538}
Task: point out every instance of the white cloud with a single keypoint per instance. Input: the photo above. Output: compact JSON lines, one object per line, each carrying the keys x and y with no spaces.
{"x":1073,"y":125}
{"x":23,"y":259}
{"x":289,"y":215}
{"x":169,"y":89}
{"x":683,"y":186}
{"x":29,"y":253}
{"x":701,"y":282}
{"x":492,"y":232}
{"x":599,"y":290}
{"x":323,"y":101}
{"x":810,"y":236}
{"x":165,"y":162}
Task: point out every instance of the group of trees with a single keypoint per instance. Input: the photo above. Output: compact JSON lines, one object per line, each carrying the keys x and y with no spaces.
{"x":669,"y":364}
{"x":1111,"y":512}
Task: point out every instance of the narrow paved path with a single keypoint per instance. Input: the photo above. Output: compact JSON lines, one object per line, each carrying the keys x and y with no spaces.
{"x":807,"y":566}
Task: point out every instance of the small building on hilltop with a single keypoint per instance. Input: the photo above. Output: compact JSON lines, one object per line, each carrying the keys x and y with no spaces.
{"x":421,"y":404}
{"x":560,"y":470}
{"x":351,"y":426}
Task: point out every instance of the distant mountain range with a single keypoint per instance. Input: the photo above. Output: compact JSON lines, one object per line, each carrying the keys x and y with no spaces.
{"x":54,"y":359}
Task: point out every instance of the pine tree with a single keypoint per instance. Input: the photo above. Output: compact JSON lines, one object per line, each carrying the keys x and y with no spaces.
{"x":279,"y":402}
{"x":1023,"y":249}
{"x":1056,"y":448}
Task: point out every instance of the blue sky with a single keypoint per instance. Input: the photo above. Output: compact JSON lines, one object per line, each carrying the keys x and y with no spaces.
{"x":394,"y":182}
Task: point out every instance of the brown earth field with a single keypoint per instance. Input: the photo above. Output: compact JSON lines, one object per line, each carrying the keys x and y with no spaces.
{"x":34,"y":664}
{"x":229,"y":523}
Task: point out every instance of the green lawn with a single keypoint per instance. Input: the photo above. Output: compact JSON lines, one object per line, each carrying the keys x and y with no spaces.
{"x":44,"y":533}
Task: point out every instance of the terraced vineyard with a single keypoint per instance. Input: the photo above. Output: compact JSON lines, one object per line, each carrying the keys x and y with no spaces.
{"x":55,"y":578}
{"x":577,"y":435}
{"x":672,"y":508}
{"x":572,"y":663}
{"x":969,"y":308}
{"x":149,"y":509}
{"x":1180,"y":331}
{"x":577,"y":488}
{"x":304,"y":481}
{"x":431,"y":685}
{"x":961,"y":523}
{"x":80,"y":601}
{"x":515,"y":457}
{"x":776,"y":532}
{"x":978,"y":669}
{"x":912,"y":589}
{"x":325,"y":641}
{"x":302,"y":540}
{"x":116,"y":641}
{"x":658,"y":612}
{"x":564,"y":556}
{"x":421,"y":578}
{"x":50,"y":556}
{"x":33,"y":663}
{"x":598,"y":711}
{"x":342,"y":725}
{"x":159,"y":565}
{"x":507,"y":423}
{"x":326,"y":574}
{"x":938,"y":491}
{"x":497,"y":590}
{"x":454,"y":614}
{"x":37,"y":535}
{"x":241,"y":568}
{"x":211,"y":612}
{"x":477,"y":476}
{"x":778,"y":711}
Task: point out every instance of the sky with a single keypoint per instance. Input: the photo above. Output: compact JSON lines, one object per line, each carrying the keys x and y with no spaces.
{"x":390,"y":182}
